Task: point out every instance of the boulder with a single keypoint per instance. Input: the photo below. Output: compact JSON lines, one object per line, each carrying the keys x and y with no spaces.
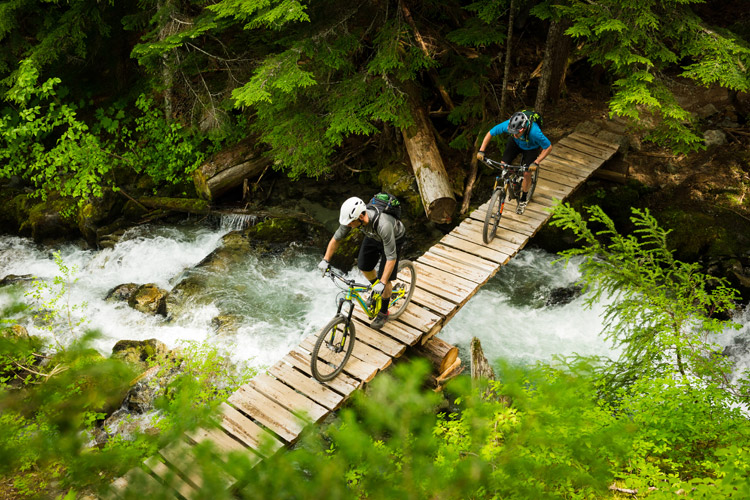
{"x":149,"y":299}
{"x":12,"y":279}
{"x":714,"y":138}
{"x":138,"y":352}
{"x":122,"y":293}
{"x":563,"y":295}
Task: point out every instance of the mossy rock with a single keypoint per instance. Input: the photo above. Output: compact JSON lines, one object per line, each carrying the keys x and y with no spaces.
{"x":399,"y":181}
{"x":276,"y":230}
{"x":346,"y":254}
{"x":695,"y":236}
{"x":138,"y":352}
{"x":51,"y":219}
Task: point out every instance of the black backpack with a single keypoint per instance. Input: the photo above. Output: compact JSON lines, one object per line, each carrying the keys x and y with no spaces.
{"x":385,"y":203}
{"x":533,"y":117}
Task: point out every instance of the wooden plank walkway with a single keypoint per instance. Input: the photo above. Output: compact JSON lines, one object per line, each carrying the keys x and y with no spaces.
{"x":272,"y":410}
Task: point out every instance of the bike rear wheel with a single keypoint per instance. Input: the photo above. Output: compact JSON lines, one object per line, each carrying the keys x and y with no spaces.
{"x":494,"y":212}
{"x":534,"y":177}
{"x":332,"y":349}
{"x":406,"y":282}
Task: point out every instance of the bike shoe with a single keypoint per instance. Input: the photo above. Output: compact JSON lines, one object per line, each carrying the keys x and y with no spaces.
{"x":521,"y":207}
{"x":379,"y":321}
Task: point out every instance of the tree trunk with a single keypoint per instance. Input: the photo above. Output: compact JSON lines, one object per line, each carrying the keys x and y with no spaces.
{"x":228,"y":169}
{"x":423,"y":46}
{"x":480,"y":367}
{"x":440,"y":353}
{"x":554,"y":65}
{"x":508,"y":47}
{"x":429,"y":171}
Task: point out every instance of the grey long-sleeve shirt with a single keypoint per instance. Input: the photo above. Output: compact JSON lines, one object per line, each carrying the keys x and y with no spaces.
{"x":388,"y":231}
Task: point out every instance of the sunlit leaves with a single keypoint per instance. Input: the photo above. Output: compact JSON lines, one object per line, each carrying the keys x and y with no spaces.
{"x":272,"y":14}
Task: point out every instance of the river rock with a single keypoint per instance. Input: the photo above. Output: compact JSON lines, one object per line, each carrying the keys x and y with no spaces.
{"x":122,"y":293}
{"x":149,"y":299}
{"x":138,"y":352}
{"x":714,"y":138}
{"x":12,"y":279}
{"x":563,"y":295}
{"x":140,"y":397}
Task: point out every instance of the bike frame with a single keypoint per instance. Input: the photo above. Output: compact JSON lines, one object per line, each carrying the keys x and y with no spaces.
{"x":353,"y":293}
{"x":511,"y":176}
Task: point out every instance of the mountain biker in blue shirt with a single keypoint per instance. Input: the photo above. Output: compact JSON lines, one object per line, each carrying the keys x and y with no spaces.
{"x":524,"y":139}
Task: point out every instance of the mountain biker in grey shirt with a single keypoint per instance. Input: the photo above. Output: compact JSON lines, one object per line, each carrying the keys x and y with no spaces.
{"x":383,"y":237}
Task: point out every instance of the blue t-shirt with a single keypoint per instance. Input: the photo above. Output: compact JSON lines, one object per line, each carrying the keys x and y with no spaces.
{"x":534,"y":139}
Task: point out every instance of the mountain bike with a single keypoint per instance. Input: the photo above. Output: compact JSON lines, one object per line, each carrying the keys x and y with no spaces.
{"x":336,"y":340}
{"x":507,"y":186}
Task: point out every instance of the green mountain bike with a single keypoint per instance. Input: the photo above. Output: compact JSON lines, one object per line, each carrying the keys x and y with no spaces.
{"x":336,"y":340}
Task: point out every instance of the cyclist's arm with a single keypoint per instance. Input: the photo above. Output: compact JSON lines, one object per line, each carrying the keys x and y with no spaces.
{"x":543,"y":155}
{"x":339,"y":235}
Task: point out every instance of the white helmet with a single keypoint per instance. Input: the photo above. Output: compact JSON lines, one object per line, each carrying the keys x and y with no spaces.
{"x":351,"y":210}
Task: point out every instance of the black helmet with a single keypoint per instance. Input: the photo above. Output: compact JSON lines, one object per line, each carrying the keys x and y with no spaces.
{"x":518,"y":121}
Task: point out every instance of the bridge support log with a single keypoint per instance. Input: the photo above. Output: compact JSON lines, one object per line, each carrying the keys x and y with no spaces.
{"x":440,"y":353}
{"x":429,"y":170}
{"x":228,"y":169}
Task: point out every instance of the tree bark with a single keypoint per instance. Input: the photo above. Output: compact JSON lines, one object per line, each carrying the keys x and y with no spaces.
{"x":554,"y":65}
{"x":228,"y":169}
{"x":429,"y":170}
{"x":508,"y":47}
{"x":480,"y":367}
{"x":423,"y":46}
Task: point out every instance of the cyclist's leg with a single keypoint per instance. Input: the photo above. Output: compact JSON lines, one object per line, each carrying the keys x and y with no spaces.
{"x":369,"y":254}
{"x":511,"y":151}
{"x":529,"y":155}
{"x":394,"y":272}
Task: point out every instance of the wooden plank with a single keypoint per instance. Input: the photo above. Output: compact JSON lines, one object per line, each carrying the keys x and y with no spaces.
{"x":343,"y":384}
{"x":384,"y":343}
{"x":354,"y":366}
{"x":180,"y":456}
{"x":248,"y":432}
{"x":572,"y":157}
{"x":465,"y":257}
{"x":267,"y":412}
{"x":221,"y":441}
{"x":477,"y":249}
{"x":525,"y":227}
{"x":439,"y":305}
{"x":577,"y":143}
{"x":596,"y":140}
{"x":170,"y":477}
{"x":287,"y":397}
{"x":466,"y":271}
{"x":574,"y":171}
{"x":137,"y":476}
{"x":402,"y":332}
{"x":503,"y":232}
{"x":308,"y":386}
{"x":498,"y":244}
{"x":552,"y":175}
{"x":535,"y":215}
{"x":421,"y":319}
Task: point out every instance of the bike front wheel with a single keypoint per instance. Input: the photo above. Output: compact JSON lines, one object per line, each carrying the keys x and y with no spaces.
{"x":534,"y":177}
{"x":332,"y":349}
{"x":403,"y":288}
{"x":494,"y":212}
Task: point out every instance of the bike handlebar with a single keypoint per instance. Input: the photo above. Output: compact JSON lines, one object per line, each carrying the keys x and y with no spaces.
{"x":501,"y":165}
{"x":350,"y":283}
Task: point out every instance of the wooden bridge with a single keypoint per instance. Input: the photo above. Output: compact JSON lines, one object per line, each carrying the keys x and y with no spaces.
{"x":265,"y":415}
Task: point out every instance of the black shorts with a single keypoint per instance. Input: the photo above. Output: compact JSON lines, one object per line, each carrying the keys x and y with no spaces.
{"x":512,"y":150}
{"x":372,"y":253}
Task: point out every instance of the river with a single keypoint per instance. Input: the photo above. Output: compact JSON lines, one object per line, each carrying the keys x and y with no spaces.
{"x":280,"y":299}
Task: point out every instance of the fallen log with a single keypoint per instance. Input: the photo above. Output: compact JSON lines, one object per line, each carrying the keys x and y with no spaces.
{"x":453,"y":371}
{"x":229,"y":168}
{"x":189,"y":205}
{"x":438,"y":352}
{"x":429,"y":170}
